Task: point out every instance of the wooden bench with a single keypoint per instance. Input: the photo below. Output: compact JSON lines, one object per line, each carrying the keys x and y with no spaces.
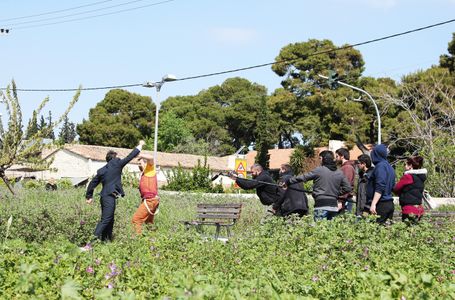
{"x":218,"y":215}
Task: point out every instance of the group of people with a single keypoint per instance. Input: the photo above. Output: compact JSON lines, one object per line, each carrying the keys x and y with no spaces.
{"x":333,"y":186}
{"x":110,"y":176}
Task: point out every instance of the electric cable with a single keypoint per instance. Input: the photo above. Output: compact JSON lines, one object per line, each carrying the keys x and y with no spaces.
{"x":54,"y":11}
{"x":254,"y":66}
{"x":78,"y":14}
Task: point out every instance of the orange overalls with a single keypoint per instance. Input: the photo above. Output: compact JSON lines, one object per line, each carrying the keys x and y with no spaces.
{"x":148,"y":187}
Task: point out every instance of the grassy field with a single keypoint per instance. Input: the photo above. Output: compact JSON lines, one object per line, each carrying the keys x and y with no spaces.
{"x":268,"y":257}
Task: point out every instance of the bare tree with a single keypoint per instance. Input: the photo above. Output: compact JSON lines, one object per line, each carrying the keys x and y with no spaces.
{"x":426,"y":125}
{"x":14,"y":148}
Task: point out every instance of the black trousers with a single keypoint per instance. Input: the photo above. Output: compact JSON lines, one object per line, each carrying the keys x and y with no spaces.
{"x":103,"y":230}
{"x":385,"y":211}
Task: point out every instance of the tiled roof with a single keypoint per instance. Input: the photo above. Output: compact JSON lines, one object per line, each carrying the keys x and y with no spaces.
{"x":282,"y":156}
{"x":164,"y":159}
{"x":277,"y":157}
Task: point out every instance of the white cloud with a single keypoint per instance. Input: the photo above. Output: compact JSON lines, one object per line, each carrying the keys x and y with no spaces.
{"x":233,"y":36}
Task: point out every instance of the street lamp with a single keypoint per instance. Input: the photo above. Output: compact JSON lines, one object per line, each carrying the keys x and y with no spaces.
{"x":378,"y":116}
{"x":158,"y":85}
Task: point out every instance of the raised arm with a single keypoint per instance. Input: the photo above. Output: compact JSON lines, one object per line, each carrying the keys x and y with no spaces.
{"x":133,"y":154}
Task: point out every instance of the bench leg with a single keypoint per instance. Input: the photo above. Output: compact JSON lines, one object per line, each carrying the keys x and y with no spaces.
{"x":217,"y":233}
{"x":228,"y":231}
{"x":199,"y":229}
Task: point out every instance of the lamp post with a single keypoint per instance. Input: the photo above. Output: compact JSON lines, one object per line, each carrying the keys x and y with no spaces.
{"x":378,"y":116}
{"x":158,"y":85}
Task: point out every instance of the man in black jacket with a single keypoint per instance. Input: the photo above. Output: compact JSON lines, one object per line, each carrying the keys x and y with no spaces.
{"x":365,"y":170}
{"x":267,"y":193}
{"x":293,"y":200}
{"x":110,"y":177}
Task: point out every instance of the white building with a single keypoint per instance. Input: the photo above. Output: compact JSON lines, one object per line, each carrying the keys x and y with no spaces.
{"x":79,"y":162}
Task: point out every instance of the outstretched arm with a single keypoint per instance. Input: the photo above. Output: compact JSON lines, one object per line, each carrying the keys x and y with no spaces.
{"x":133,"y":154}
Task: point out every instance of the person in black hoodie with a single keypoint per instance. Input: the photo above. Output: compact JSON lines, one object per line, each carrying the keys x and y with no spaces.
{"x":380,"y":185}
{"x":267,"y":193}
{"x":328,"y":184}
{"x":293,"y":200}
{"x":410,"y":189}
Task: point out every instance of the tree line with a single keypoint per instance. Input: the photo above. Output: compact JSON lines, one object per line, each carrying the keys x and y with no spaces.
{"x":417,"y":113}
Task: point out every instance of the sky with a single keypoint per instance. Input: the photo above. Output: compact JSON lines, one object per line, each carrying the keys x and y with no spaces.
{"x":193,"y":37}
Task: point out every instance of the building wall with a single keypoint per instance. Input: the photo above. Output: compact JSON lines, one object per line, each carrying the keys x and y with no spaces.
{"x":67,"y":164}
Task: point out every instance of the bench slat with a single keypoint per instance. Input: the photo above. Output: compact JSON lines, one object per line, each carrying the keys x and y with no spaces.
{"x":220,"y":205}
{"x":220,"y":210}
{"x":223,"y":223}
{"x":218,"y":216}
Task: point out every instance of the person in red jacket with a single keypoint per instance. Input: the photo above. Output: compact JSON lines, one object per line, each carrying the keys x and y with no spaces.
{"x":342,"y":157}
{"x":410,"y":189}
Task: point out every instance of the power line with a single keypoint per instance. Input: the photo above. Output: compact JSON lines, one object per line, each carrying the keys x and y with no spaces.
{"x":82,"y":89}
{"x":95,"y":16}
{"x":254,"y":66}
{"x":54,"y":11}
{"x":320,"y":52}
{"x":67,"y":16}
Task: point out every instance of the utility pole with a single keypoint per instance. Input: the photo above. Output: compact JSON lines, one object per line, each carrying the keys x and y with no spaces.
{"x":333,"y":82}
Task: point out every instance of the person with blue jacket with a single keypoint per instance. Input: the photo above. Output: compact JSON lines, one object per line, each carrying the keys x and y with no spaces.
{"x":380,"y":185}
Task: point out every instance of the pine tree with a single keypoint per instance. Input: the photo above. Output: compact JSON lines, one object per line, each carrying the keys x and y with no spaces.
{"x":32,"y":127}
{"x":42,"y":123}
{"x":263,"y":135}
{"x":68,"y":132}
{"x":50,"y":134}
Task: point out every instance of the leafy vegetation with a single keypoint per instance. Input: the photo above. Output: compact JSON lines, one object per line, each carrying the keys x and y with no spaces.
{"x":119,"y":120}
{"x":268,"y":258}
{"x":198,"y":179}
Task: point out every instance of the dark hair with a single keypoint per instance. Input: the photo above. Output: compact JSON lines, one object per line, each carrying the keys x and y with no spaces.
{"x":365,"y":159}
{"x":286,"y":167}
{"x":343,"y":152}
{"x":415,"y":161}
{"x":327,"y":157}
{"x":110,"y":155}
{"x":258,"y":167}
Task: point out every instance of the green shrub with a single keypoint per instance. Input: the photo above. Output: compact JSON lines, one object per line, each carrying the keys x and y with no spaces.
{"x":198,"y":179}
{"x":33,"y":184}
{"x":64,"y":184}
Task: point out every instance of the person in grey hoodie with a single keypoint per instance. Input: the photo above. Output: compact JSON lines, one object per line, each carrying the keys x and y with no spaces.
{"x":328,"y":184}
{"x":380,"y":185}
